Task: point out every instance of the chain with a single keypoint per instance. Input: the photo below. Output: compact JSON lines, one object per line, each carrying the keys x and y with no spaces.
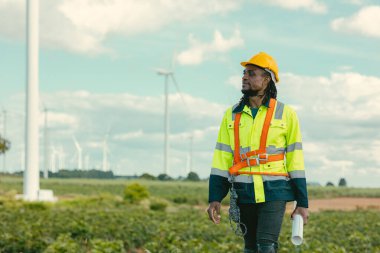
{"x":238,"y":227}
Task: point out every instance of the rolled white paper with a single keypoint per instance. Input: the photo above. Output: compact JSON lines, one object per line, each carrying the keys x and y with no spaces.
{"x":297,"y":230}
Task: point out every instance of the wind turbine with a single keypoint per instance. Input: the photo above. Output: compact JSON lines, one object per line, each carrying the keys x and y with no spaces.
{"x":53,"y":159}
{"x":61,"y":158}
{"x":46,"y":144}
{"x":31,"y":186}
{"x":168,"y":74}
{"x":79,"y":150}
{"x":22,"y":159}
{"x":191,"y":153}
{"x":4,"y":136}
{"x":189,"y":157}
{"x":105,"y":152}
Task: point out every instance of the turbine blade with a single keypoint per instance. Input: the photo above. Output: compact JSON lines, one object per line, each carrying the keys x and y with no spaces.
{"x":174,"y":61}
{"x":178,"y":90}
{"x":76,"y":144}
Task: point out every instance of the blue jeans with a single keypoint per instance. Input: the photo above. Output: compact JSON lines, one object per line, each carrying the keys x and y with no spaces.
{"x":263,"y":222}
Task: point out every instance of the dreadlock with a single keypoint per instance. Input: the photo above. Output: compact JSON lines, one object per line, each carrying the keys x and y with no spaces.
{"x":270,"y":92}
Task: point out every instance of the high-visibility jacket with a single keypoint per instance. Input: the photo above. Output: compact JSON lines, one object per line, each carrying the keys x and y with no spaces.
{"x":284,"y":137}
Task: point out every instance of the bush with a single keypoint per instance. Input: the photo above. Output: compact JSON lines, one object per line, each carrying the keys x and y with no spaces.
{"x":148,"y":176}
{"x":134,"y":193}
{"x":192,"y":176}
{"x":158,"y":205}
{"x":164,"y":177}
{"x":330,"y":184}
{"x":342,"y":182}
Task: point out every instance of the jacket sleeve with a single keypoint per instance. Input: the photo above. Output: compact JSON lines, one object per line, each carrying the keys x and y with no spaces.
{"x":295,"y":161}
{"x":221,"y":162}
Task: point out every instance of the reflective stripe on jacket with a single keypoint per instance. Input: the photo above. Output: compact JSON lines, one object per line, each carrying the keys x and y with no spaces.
{"x":284,"y":136}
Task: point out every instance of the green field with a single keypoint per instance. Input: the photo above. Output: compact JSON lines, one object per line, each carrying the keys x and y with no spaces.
{"x":179,"y":192}
{"x":92,"y":216}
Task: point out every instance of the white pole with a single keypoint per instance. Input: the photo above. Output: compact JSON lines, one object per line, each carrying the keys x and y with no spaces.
{"x":31,"y":174}
{"x":22,"y":159}
{"x":191,"y":152}
{"x":46,"y":146}
{"x":4,"y":136}
{"x":79,"y":149}
{"x":61,"y":159}
{"x":53,"y":160}
{"x":166,"y":125}
{"x":105,"y":158}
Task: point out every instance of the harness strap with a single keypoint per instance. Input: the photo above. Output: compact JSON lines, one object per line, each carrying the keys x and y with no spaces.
{"x":237,"y":139}
{"x":243,"y":160}
{"x":257,"y":161}
{"x":268,"y":119}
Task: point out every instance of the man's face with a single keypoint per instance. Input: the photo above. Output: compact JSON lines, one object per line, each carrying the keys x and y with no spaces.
{"x":254,"y":81}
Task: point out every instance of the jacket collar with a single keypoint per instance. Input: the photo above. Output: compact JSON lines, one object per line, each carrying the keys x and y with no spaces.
{"x":240,"y":107}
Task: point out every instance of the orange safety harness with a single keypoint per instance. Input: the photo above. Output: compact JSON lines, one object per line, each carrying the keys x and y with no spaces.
{"x":255,"y":157}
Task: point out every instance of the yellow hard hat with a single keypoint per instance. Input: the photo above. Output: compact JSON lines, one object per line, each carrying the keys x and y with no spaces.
{"x":265,"y":61}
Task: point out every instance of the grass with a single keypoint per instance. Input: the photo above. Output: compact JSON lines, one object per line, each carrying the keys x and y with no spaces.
{"x":175,"y":191}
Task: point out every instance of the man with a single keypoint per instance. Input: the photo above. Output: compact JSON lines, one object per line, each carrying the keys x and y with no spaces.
{"x":259,"y":150}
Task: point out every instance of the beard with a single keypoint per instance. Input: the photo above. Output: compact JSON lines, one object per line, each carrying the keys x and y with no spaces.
{"x":249,"y":93}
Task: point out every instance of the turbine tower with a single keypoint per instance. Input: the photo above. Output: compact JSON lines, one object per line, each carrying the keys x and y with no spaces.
{"x":61,"y":158}
{"x":4,"y":136}
{"x":31,"y":174}
{"x":79,"y":150}
{"x":105,"y":153}
{"x":53,"y":159}
{"x":168,"y":74}
{"x":191,"y":153}
{"x":46,"y":144}
{"x":189,"y":161}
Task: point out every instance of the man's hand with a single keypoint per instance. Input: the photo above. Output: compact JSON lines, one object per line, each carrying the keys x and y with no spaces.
{"x":214,"y":212}
{"x":303,"y":212}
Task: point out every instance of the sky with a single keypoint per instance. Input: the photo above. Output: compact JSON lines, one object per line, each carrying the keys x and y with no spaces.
{"x":98,"y":80}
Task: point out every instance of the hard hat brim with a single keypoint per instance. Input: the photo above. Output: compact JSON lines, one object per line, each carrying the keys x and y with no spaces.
{"x":245,"y":63}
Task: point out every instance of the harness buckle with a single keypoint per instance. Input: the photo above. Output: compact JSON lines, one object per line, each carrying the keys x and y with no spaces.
{"x":262,"y":157}
{"x":243,"y":156}
{"x":249,"y":162}
{"x":254,"y":159}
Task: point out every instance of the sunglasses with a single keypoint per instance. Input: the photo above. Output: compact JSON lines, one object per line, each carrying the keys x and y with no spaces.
{"x":249,"y":71}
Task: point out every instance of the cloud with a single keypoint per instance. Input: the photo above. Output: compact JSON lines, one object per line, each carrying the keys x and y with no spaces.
{"x":59,"y":119}
{"x":354,"y":2}
{"x":197,"y":134}
{"x":235,"y":81}
{"x":313,"y":6}
{"x":135,"y":125}
{"x":129,"y":135}
{"x":199,"y":52}
{"x":339,"y":119}
{"x":364,"y":22}
{"x":336,"y":96}
{"x":345,"y":68}
{"x":82,"y":26}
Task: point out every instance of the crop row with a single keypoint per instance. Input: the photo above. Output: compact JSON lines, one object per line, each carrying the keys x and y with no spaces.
{"x":108,"y":224}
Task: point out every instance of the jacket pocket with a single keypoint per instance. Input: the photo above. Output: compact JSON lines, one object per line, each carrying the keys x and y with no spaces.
{"x":278,"y":185}
{"x":277,"y":133}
